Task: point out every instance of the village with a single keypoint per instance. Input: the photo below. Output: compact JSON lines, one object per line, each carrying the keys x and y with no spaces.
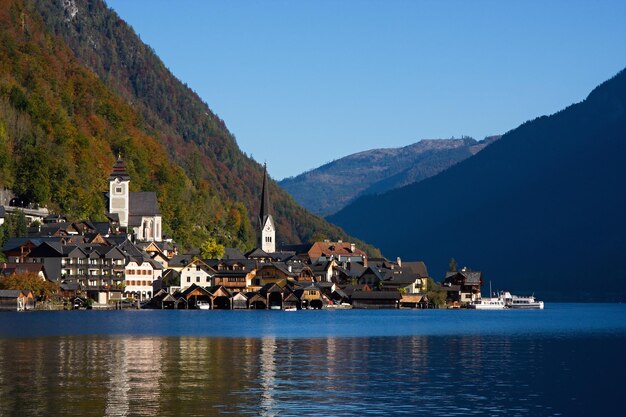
{"x":125,"y":262}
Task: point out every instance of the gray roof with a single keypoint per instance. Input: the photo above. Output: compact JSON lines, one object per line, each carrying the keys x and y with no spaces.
{"x":257,"y":253}
{"x":181,"y":260}
{"x":102,"y":227}
{"x":232,"y":253}
{"x":417,"y":267}
{"x":472,"y":277}
{"x":143,"y":203}
{"x":10,"y":293}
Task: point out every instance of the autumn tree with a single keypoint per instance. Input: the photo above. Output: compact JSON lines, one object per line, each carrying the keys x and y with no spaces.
{"x":41,"y":287}
{"x":210,"y":249}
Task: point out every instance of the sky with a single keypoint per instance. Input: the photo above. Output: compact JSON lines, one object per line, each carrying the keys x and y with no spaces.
{"x":302,"y":83}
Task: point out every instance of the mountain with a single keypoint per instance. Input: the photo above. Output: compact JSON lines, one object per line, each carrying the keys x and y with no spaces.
{"x":542,"y":209}
{"x":77,"y":87}
{"x":329,"y":188}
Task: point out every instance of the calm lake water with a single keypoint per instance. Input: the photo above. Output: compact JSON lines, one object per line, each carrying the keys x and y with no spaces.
{"x":568,"y":360}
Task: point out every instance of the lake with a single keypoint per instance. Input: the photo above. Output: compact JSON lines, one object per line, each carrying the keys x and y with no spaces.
{"x":568,"y":359}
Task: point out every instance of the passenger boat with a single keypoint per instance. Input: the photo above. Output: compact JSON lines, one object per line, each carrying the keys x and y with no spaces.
{"x":493,"y":303}
{"x":488,"y":303}
{"x":203,"y":305}
{"x":523,"y":302}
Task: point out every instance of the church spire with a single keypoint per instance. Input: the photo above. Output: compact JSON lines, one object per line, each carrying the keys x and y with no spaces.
{"x":266,"y":222}
{"x":265,"y":197}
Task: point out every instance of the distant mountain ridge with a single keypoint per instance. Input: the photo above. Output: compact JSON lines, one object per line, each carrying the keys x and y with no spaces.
{"x":327,"y":189}
{"x":541,"y":210}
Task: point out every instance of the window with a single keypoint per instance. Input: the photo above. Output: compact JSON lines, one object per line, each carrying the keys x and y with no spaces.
{"x":118,"y":190}
{"x":188,"y":279}
{"x":197,"y":279}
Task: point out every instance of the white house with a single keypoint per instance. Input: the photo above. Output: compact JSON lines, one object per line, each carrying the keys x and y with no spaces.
{"x":196,"y":272}
{"x":140,"y":274}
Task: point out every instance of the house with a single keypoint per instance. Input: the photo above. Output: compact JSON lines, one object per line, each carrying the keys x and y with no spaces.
{"x":140,"y":275}
{"x":240,"y":301}
{"x":221,"y":299}
{"x":405,"y":283}
{"x":274,"y":295}
{"x":18,"y":248}
{"x":196,"y":272}
{"x":463,"y":286}
{"x":236,"y":275}
{"x":273,"y":272}
{"x":16,"y":300}
{"x":323,"y":270}
{"x":98,"y":269}
{"x":194,"y":294}
{"x":376,"y":299}
{"x":311,"y":296}
{"x":372,"y":277}
{"x":414,"y":301}
{"x":7,"y":269}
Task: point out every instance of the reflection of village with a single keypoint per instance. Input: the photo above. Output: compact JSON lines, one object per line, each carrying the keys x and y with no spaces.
{"x":174,"y":375}
{"x":181,"y":376}
{"x":125,"y":261}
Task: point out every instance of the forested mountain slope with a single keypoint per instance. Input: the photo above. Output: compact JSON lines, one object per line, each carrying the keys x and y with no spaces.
{"x":542,"y":209}
{"x":329,"y":188}
{"x":77,"y":87}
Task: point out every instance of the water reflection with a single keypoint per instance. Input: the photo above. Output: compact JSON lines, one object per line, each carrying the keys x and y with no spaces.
{"x":434,"y":375}
{"x":267,"y":376}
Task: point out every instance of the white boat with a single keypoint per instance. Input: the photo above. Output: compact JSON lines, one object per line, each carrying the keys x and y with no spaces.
{"x":290,"y":309}
{"x":493,"y":303}
{"x":488,"y":303}
{"x":203,"y":305}
{"x":522,"y":302}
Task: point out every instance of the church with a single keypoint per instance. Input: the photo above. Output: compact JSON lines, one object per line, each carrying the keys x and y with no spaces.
{"x":137,"y":212}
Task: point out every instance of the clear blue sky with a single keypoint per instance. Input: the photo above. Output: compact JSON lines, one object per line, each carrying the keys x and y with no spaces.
{"x":301,"y":83}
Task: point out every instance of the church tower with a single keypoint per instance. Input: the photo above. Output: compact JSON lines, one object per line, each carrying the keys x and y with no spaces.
{"x":119,"y":201}
{"x":266,"y":221}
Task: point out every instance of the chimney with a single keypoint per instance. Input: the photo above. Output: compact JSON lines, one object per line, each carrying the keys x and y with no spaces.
{"x":289,"y":268}
{"x":339,"y":241}
{"x":399,"y":262}
{"x":352,"y":247}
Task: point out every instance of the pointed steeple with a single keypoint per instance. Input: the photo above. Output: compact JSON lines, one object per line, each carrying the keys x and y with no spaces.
{"x":265,"y":198}
{"x":119,"y":170}
{"x":267,"y":236}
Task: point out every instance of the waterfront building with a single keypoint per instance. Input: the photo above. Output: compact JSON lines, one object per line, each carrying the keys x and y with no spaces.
{"x":16,"y":300}
{"x":198,"y":273}
{"x":463,"y":286}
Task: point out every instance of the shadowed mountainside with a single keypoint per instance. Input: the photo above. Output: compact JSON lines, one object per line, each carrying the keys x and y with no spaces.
{"x":542,"y":209}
